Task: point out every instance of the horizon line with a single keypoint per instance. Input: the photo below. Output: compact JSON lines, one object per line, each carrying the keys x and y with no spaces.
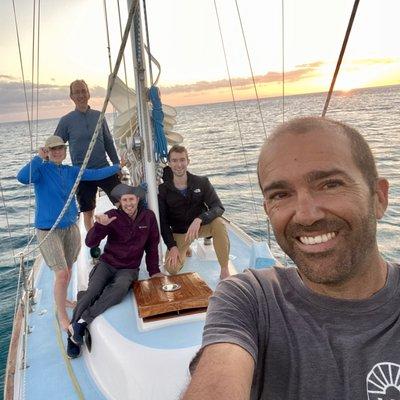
{"x":338,"y":91}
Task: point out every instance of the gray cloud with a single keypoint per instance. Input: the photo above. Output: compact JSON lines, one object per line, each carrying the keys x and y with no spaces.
{"x":12,"y":91}
{"x":12,"y":98}
{"x":7,"y":77}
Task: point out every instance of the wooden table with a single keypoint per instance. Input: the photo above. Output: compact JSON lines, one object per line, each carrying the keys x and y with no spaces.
{"x":152,"y":300}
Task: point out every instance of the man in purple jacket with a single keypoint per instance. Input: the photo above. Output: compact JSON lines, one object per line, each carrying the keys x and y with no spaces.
{"x":131,"y":230}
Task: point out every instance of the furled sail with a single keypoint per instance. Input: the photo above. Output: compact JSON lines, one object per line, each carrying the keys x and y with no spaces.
{"x":123,"y":99}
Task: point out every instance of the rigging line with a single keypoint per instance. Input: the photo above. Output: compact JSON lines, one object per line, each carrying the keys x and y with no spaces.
{"x":148,"y":41}
{"x":128,"y":148}
{"x":236,"y":113}
{"x":154,"y":60}
{"x":33,"y":60}
{"x":7,"y":221}
{"x":37,"y":117}
{"x":108,"y":35}
{"x":123,"y":57}
{"x":32,"y":114}
{"x":67,"y":361}
{"x":283,"y":60}
{"x":111,"y":82}
{"x":339,"y":62}
{"x":251,"y":69}
{"x":129,"y":154}
{"x":283,"y":99}
{"x":108,"y":47}
{"x":19,"y":303}
{"x":25,"y":91}
{"x":37,"y":77}
{"x":26,"y":331}
{"x":17,"y":292}
{"x":25,"y":96}
{"x":22,"y":67}
{"x":108,"y":44}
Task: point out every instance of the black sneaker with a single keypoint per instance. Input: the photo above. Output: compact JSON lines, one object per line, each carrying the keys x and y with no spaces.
{"x":77,"y":331}
{"x":207,"y":241}
{"x":95,"y":252}
{"x":73,"y":350}
{"x":88,"y":340}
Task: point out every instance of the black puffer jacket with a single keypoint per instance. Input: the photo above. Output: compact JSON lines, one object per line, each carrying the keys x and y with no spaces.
{"x":177,"y":212}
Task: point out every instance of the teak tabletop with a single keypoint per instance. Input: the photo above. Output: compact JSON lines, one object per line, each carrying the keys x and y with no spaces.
{"x":153,"y":300}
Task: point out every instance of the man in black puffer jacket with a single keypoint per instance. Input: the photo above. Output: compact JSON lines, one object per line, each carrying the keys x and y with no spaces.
{"x":189,"y":209}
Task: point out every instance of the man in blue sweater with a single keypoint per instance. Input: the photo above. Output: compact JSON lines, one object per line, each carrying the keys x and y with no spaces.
{"x":53,"y":182}
{"x":77,"y":128}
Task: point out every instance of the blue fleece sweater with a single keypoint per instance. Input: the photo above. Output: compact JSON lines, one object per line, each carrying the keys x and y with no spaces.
{"x":53,"y":184}
{"x":77,"y":129}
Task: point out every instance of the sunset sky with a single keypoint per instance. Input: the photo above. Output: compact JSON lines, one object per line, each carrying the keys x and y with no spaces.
{"x":184,"y":37}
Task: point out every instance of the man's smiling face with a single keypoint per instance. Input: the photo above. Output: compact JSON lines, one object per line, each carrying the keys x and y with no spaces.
{"x":321,"y":209}
{"x":178,"y":162}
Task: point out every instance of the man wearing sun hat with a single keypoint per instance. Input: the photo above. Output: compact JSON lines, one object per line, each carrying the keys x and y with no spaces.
{"x":53,"y":182}
{"x":131,"y":230}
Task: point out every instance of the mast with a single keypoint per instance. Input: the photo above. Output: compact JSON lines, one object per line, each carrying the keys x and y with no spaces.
{"x":143,"y":116}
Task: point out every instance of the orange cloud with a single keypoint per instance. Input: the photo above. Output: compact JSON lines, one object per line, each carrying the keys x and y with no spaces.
{"x":300,"y":72}
{"x":304,"y":78}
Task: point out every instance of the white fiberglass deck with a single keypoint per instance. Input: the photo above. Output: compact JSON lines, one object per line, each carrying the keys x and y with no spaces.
{"x":129,"y":359}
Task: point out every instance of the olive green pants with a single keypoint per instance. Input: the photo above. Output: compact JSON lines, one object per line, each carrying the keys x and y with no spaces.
{"x":217,"y":230}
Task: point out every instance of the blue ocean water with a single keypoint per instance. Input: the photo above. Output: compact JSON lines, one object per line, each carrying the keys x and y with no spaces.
{"x":225,"y":150}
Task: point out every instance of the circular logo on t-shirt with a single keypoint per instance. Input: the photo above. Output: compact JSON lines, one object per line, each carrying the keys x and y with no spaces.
{"x":383,"y":382}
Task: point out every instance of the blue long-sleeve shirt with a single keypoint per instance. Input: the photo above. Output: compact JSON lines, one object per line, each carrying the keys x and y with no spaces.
{"x":53,"y":184}
{"x":77,"y":129}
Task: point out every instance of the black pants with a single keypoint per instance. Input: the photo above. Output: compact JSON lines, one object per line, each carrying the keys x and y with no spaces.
{"x":87,"y":190}
{"x":107,"y":287}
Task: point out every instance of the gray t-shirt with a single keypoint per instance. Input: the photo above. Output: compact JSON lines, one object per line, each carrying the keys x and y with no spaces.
{"x":308,"y":346}
{"x":77,"y":129}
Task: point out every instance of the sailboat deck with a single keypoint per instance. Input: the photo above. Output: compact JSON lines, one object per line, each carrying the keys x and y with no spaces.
{"x":125,"y":350}
{"x":48,"y":365}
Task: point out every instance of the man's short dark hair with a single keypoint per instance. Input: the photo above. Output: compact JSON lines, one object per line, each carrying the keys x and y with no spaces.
{"x":176,"y":148}
{"x":360,"y":149}
{"x":77,"y":81}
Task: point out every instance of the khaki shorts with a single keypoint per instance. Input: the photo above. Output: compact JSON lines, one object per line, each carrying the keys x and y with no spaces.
{"x":61,"y":248}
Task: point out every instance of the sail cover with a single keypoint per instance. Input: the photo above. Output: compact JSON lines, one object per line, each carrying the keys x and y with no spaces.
{"x":123,"y":99}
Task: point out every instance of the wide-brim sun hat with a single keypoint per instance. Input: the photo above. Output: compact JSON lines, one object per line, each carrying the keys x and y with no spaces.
{"x":54,"y":141}
{"x":122,"y":189}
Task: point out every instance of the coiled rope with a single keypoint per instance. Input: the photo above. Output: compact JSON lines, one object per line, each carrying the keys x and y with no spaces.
{"x":157,"y":114}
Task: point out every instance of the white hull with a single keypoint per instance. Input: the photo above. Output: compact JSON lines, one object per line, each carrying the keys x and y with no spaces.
{"x":130,"y":359}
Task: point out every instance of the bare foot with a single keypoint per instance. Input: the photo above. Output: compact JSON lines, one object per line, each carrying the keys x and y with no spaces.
{"x":189,"y":252}
{"x":65,"y":324}
{"x":224,"y":273}
{"x":70,"y":303}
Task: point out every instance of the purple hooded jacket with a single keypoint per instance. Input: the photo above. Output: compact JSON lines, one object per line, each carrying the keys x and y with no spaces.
{"x":128,"y":239}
